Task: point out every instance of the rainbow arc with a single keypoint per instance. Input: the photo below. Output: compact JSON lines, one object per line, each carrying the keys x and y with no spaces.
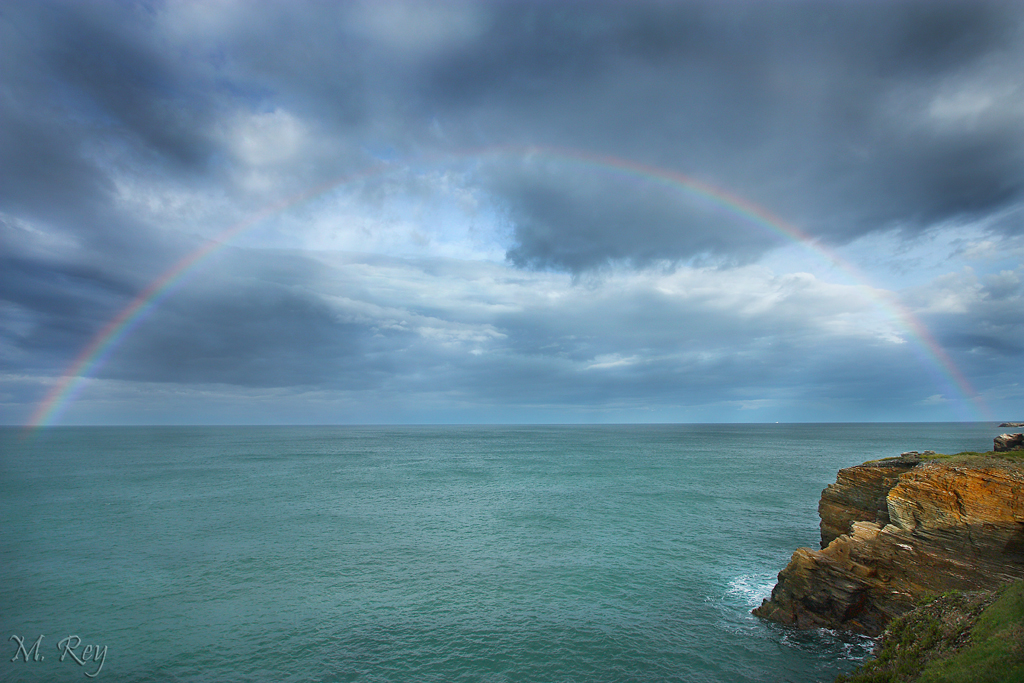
{"x":114,"y":332}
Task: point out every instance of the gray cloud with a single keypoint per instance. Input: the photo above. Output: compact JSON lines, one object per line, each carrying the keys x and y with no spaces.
{"x":574,"y":218}
{"x":830,"y":117}
{"x":130,"y":132}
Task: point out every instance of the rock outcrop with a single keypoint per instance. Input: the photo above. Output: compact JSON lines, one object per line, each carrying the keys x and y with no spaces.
{"x":859,"y":495}
{"x":1008,"y":442}
{"x":897,"y":531}
{"x":1011,"y":424}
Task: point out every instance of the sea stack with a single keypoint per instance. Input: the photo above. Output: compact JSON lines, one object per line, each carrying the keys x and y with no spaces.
{"x":898,"y":531}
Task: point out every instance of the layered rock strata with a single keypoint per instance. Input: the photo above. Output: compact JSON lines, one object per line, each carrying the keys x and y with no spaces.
{"x":897,"y":531}
{"x":859,"y":495}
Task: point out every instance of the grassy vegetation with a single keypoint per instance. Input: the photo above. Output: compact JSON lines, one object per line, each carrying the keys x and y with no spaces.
{"x":973,"y":458}
{"x":996,"y":650}
{"x":975,"y":637}
{"x":1013,"y":459}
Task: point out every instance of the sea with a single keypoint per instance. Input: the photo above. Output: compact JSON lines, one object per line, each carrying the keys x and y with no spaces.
{"x":421,"y":553}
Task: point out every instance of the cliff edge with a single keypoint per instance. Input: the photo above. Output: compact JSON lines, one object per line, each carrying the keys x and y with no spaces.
{"x":976,"y":636}
{"x":895,"y":532}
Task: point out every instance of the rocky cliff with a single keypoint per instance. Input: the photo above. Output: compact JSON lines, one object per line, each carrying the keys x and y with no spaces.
{"x":1008,"y":442}
{"x":897,"y":531}
{"x":975,"y":636}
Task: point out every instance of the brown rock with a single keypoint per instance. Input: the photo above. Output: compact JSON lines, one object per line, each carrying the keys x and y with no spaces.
{"x":859,"y":495}
{"x":949,"y":526}
{"x":1008,"y":442}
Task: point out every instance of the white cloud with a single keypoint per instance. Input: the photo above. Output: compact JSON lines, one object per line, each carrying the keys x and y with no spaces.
{"x":623,"y":318}
{"x":612,"y":360}
{"x":952,"y":293}
{"x":265,"y":138}
{"x":431,"y":213}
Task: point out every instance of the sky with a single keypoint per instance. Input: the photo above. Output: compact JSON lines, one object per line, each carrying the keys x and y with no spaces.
{"x":224,"y":212}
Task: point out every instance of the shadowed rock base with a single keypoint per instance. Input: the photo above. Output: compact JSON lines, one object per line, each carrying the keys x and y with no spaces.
{"x":898,"y":531}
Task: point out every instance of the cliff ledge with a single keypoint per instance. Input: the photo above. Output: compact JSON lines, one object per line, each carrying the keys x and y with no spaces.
{"x":895,"y":532}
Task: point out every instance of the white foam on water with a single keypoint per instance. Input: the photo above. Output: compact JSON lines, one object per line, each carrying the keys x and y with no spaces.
{"x":751,"y":589}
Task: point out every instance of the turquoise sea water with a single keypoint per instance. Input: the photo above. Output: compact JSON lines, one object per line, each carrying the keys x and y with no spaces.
{"x":576,"y":553}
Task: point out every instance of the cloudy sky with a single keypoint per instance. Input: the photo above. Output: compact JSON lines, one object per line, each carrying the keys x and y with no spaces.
{"x":511,"y":211}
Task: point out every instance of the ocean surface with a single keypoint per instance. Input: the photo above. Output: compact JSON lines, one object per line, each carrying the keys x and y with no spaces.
{"x":547,"y":553}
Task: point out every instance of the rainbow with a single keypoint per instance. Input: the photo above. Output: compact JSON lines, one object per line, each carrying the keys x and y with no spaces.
{"x":114,"y":332}
{"x":947,"y":374}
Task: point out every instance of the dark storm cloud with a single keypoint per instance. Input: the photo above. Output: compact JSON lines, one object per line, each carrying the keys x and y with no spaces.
{"x":249,"y":322}
{"x":261,"y":337}
{"x":120,"y":81}
{"x":577,"y":218}
{"x":57,"y":307}
{"x":533,"y":48}
{"x":40,"y":173}
{"x":80,"y":84}
{"x":100,"y":63}
{"x":84,"y":102}
{"x":822,"y":112}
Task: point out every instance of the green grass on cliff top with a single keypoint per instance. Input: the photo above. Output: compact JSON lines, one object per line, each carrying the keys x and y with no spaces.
{"x":991,"y":458}
{"x":996,"y":649}
{"x":958,"y":638}
{"x":1013,"y":459}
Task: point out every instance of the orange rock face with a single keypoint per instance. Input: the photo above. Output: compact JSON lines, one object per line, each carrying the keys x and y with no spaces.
{"x":859,"y":495}
{"x":943,"y":526}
